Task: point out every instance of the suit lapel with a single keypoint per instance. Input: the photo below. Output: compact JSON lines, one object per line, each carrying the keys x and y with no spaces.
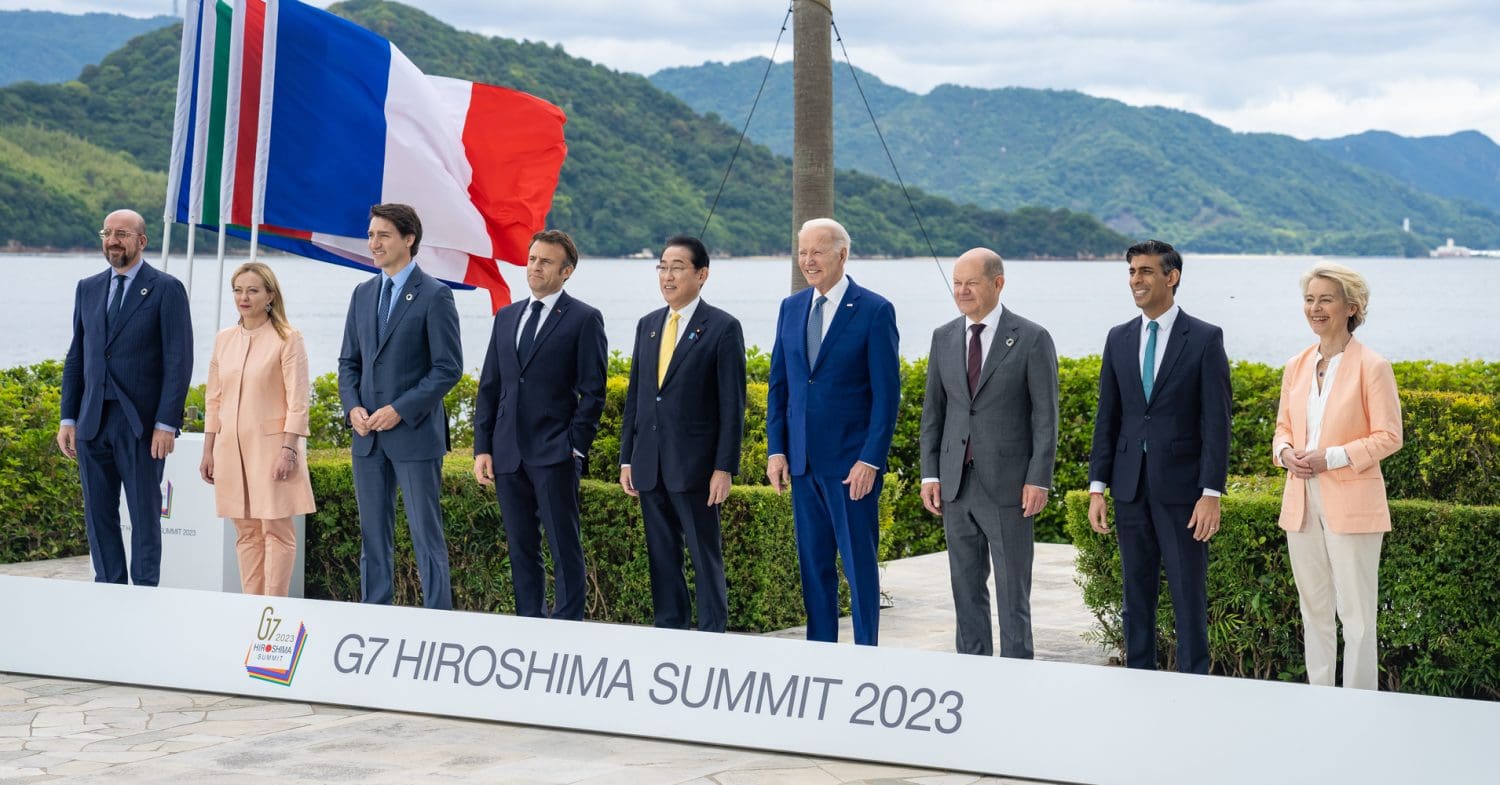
{"x":841,"y":317}
{"x":507,"y":324}
{"x":1000,"y":345}
{"x":145,"y":280}
{"x":97,"y":299}
{"x":1131,"y":356}
{"x":405,"y":301}
{"x":559,"y":310}
{"x":687,"y":341}
{"x":1180,"y":335}
{"x":651,"y":346}
{"x":801,"y":306}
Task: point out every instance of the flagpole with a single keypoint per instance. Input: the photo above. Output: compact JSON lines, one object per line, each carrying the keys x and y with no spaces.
{"x":186,"y":63}
{"x":231,"y":144}
{"x":263,"y":126}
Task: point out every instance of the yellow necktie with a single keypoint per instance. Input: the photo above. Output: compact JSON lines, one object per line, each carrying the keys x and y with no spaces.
{"x":668,"y":344}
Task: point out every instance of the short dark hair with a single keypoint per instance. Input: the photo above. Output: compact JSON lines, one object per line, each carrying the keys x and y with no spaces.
{"x":404,"y":218}
{"x":559,"y":238}
{"x":1170,"y":258}
{"x":694,"y":246}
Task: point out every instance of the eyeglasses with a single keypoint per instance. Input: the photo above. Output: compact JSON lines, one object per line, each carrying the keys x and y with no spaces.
{"x":673,"y":271}
{"x":118,"y":234}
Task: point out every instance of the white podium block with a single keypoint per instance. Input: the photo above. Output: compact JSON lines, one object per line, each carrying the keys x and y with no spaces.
{"x":197,"y":546}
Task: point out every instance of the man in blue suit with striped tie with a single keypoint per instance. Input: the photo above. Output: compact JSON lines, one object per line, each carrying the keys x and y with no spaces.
{"x":830,"y":412}
{"x":124,"y":382}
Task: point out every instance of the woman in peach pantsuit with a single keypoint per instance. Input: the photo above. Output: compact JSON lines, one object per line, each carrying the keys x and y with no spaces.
{"x":1339,"y":416}
{"x":255,"y":426}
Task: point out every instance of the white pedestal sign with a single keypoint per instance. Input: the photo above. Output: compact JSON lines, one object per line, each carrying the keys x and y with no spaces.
{"x":197,"y":546}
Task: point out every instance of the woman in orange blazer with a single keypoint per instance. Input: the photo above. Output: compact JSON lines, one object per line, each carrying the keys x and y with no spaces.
{"x":254,"y":431}
{"x":1339,"y":416}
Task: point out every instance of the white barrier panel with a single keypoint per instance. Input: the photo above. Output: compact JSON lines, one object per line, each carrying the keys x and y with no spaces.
{"x":197,"y":546}
{"x":1053,"y":721}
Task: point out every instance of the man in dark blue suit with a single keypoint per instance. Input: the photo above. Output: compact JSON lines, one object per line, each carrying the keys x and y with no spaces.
{"x":540,"y":395}
{"x":830,"y":412}
{"x":680,"y":435}
{"x":1161,"y":445}
{"x":401,"y":355}
{"x":123,"y":385}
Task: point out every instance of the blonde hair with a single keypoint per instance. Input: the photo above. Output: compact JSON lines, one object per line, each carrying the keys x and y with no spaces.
{"x":1351,"y":283}
{"x":268,"y":278}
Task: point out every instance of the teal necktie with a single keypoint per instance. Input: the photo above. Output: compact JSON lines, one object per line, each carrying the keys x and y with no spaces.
{"x":1148,"y":366}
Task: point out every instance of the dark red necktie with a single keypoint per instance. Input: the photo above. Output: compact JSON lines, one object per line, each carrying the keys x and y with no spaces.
{"x":976,"y":355}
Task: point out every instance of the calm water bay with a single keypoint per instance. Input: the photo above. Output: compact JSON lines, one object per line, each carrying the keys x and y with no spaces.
{"x":1436,"y":309}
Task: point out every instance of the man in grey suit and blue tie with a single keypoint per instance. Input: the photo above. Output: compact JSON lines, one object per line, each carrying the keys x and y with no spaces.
{"x":989,"y":440}
{"x":123,"y":385}
{"x":401,"y":355}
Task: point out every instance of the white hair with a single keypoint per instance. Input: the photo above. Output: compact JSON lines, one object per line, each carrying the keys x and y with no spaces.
{"x":840,"y":234}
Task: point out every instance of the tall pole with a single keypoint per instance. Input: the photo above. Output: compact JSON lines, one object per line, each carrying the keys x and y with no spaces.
{"x":812,"y":135}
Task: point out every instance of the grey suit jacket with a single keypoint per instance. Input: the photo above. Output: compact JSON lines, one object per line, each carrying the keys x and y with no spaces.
{"x":1012,"y":418}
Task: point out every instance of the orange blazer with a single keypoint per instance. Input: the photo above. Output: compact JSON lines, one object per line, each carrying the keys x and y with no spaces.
{"x":1364,"y":417}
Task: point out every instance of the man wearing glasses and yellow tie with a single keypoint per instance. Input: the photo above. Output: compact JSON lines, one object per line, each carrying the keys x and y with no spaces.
{"x":680,"y":435}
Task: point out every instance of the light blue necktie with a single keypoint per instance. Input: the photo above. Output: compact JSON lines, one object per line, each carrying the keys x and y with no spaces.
{"x":815,"y":330}
{"x":1148,"y":366}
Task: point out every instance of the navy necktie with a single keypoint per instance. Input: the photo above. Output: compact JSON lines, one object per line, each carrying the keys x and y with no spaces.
{"x":815,"y":330}
{"x":385,"y":306}
{"x":114,"y":302}
{"x":528,"y":333}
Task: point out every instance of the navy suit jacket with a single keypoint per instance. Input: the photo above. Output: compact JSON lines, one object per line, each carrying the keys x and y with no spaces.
{"x":680,"y":433}
{"x":1182,"y":433}
{"x":824,"y":417}
{"x":411,"y":370}
{"x":539,"y":409}
{"x":146,"y":353}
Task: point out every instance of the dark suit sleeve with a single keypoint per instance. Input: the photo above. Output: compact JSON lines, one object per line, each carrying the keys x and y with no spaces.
{"x":351,"y":360}
{"x":934,"y":411}
{"x":487,"y":398}
{"x":1041,"y":384}
{"x":632,"y":392}
{"x":885,"y":386}
{"x":1106,"y":418}
{"x":72,"y":378}
{"x":776,"y":394}
{"x":176,"y":325}
{"x":593,"y":358}
{"x":1218,"y":404}
{"x":446,"y":352}
{"x":731,"y":380}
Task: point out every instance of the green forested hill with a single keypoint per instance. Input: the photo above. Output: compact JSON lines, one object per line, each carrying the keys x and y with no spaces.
{"x":1464,"y":165}
{"x":641,"y":164}
{"x":1142,"y":170}
{"x":46,"y":46}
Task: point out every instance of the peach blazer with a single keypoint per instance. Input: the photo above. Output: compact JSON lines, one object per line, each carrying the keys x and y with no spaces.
{"x":1363,"y":415}
{"x":257,"y":390}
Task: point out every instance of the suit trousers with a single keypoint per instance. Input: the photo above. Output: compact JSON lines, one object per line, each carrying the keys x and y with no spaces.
{"x":1154,"y":535}
{"x":376,"y":477}
{"x":112,"y":459}
{"x":534,"y":499}
{"x":980,"y":533}
{"x":1337,"y":575}
{"x":670,"y":519}
{"x":829,"y":525}
{"x":267,"y":551}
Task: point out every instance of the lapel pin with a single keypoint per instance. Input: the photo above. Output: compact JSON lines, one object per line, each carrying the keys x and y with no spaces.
{"x":143,"y":292}
{"x":693,"y":336}
{"x":848,"y":305}
{"x":408,"y":296}
{"x":1010,"y":342}
{"x":653,"y":334}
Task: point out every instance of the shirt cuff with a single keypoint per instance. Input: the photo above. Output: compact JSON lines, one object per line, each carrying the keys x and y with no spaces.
{"x":1337,"y":457}
{"x":871,"y":465}
{"x":926,"y":480}
{"x":1276,"y":453}
{"x":1212,"y":492}
{"x":164,"y":427}
{"x":1097,"y":487}
{"x":68,"y":421}
{"x":577,"y":454}
{"x":776,"y":455}
{"x":624,"y":466}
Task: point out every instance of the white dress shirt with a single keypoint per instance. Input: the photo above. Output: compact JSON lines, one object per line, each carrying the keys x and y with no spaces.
{"x":548,"y":303}
{"x":835,"y":298}
{"x":685,"y":318}
{"x":130,"y":276}
{"x":991,"y":324}
{"x":1317,"y":403}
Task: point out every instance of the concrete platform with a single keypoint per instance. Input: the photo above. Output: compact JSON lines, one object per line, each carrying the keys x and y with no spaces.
{"x":56,"y":730}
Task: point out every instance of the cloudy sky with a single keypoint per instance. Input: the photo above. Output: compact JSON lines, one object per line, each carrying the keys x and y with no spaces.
{"x":1309,"y":68}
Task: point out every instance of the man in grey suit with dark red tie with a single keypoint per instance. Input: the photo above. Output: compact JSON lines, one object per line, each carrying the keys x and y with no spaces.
{"x":401,"y":355}
{"x":989,"y":440}
{"x":680,"y":435}
{"x":1161,"y":446}
{"x":124,"y":382}
{"x":540,"y":396}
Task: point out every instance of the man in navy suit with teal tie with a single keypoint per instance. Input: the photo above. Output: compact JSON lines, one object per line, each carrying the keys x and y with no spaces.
{"x":680,"y":435}
{"x":124,"y":381}
{"x":830,"y":411}
{"x":1161,"y":446}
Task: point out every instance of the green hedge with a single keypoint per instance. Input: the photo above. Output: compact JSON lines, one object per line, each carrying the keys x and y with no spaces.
{"x":1439,"y":626}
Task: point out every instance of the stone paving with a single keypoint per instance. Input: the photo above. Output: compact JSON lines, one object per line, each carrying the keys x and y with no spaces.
{"x":57,"y":730}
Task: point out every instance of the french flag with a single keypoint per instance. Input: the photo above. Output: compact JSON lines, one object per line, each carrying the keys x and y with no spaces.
{"x":350,"y":122}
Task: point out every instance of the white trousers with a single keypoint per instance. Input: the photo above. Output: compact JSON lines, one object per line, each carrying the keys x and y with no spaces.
{"x":1337,"y":574}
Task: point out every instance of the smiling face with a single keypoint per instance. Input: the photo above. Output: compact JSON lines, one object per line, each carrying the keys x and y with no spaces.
{"x":123,"y":239}
{"x":1150,"y":287}
{"x":547,"y":268}
{"x":680,"y":282}
{"x":388,"y":247}
{"x":252,"y":298}
{"x":1326,"y":309}
{"x":821,"y":258}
